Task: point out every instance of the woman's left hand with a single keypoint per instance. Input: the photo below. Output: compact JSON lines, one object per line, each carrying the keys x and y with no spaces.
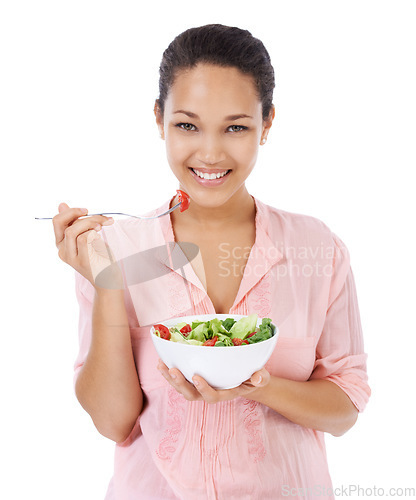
{"x":200,"y":390}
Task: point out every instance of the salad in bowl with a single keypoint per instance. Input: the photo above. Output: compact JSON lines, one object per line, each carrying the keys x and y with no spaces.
{"x":218,"y":332}
{"x":223,"y":349}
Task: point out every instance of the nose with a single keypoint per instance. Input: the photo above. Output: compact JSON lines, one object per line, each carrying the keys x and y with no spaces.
{"x":210,"y":150}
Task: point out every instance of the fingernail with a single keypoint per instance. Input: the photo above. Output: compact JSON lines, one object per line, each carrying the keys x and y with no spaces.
{"x":195,"y":382}
{"x":97,"y":227}
{"x":108,"y":222}
{"x":172,"y":375}
{"x":257,"y":380}
{"x":84,"y":210}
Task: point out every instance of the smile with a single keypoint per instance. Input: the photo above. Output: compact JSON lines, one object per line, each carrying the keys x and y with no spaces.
{"x":210,"y":176}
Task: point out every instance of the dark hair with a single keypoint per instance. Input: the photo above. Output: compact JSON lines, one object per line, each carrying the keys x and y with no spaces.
{"x":222,"y":46}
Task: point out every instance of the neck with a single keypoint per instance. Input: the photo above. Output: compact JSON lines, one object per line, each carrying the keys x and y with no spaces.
{"x":240,"y":208}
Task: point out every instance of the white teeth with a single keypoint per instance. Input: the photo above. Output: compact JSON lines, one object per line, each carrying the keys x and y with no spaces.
{"x":203,"y":175}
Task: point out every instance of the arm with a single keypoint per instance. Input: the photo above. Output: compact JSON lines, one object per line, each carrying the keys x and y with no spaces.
{"x":317,"y":404}
{"x":337,"y":388}
{"x":107,"y":385}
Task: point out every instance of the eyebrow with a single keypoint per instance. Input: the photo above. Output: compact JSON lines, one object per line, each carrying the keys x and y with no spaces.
{"x":227,"y":118}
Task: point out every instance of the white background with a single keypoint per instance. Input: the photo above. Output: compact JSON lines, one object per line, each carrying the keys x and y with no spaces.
{"x":78,"y":84}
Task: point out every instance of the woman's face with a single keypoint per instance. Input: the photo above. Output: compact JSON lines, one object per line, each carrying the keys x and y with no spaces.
{"x":212,"y":126}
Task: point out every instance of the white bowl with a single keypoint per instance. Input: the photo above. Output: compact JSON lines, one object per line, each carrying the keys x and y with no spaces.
{"x":223,"y":367}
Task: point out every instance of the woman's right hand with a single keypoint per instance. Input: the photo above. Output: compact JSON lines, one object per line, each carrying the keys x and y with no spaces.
{"x":82,"y":247}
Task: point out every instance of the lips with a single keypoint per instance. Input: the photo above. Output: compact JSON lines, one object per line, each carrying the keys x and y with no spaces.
{"x":210,"y":174}
{"x":208,"y":177}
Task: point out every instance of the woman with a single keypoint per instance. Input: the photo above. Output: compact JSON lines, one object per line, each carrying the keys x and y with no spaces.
{"x":174,"y":439}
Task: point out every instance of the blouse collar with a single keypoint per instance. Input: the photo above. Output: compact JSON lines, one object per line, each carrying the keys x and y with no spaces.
{"x":263,"y":256}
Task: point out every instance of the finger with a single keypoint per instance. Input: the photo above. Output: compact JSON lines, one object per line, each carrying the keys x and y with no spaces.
{"x":182,"y":385}
{"x":260,"y":378}
{"x":62,"y":206}
{"x":90,"y":239}
{"x":208,"y":393}
{"x":211,"y":395}
{"x":179,"y":382}
{"x":164,"y":370}
{"x":65,"y":217}
{"x":79,"y":227}
{"x":87,"y":240}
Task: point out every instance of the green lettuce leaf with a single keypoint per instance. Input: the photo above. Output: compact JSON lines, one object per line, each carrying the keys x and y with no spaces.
{"x":199,"y":333}
{"x":196,"y":323}
{"x":217,"y":327}
{"x":194,"y":342}
{"x":180,"y":325}
{"x":228,"y":323}
{"x":264,"y":332}
{"x":223,"y":340}
{"x":176,"y":336}
{"x":244,"y":326}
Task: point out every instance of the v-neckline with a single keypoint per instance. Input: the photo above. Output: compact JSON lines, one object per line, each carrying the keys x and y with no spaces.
{"x":260,"y":258}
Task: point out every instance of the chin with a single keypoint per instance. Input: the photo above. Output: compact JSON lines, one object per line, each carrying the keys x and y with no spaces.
{"x":210,"y":199}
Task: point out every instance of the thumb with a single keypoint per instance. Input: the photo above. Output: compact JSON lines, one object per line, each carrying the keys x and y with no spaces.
{"x":62,"y":207}
{"x":260,"y":378}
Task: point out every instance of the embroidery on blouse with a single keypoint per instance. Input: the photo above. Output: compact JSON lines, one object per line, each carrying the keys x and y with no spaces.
{"x":184,"y":297}
{"x":173,"y":425}
{"x":178,"y":295}
{"x":253,"y":427}
{"x":261,"y":297}
{"x":252,"y":411}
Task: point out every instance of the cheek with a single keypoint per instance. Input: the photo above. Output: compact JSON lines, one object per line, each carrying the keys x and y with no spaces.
{"x":244,"y":152}
{"x":176,"y":150}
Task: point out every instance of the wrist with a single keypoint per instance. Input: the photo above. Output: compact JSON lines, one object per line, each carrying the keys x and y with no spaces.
{"x":262,"y":393}
{"x":109,"y":279}
{"x":104,"y":294}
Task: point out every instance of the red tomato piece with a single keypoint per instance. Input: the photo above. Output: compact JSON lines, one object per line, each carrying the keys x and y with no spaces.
{"x":250,"y":335}
{"x":237,"y":341}
{"x":211,"y":342}
{"x":164,"y":332}
{"x":245,"y":342}
{"x":185,"y":330}
{"x":183,"y":199}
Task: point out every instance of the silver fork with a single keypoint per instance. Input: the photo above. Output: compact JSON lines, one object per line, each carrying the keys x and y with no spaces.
{"x":128,"y":215}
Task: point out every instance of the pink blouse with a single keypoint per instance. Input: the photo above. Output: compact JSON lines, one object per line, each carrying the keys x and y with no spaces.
{"x":298,"y":273}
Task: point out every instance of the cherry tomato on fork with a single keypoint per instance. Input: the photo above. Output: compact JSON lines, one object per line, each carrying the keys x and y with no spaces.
{"x":183,"y":199}
{"x":164,"y":332}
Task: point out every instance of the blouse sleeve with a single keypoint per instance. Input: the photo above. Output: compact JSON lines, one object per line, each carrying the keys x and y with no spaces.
{"x":340,"y":355}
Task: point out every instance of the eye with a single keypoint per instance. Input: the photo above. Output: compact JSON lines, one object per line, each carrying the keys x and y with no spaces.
{"x":237,"y":128}
{"x":186,"y":126}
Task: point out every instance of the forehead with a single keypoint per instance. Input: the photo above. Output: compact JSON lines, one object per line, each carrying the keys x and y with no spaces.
{"x":211,"y":87}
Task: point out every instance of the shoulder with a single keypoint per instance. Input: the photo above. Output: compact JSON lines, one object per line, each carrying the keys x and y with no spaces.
{"x":300,"y":230}
{"x":292,"y":223}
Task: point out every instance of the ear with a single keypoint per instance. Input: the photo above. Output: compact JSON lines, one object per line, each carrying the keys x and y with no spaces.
{"x":267,"y":123}
{"x":159,"y":119}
